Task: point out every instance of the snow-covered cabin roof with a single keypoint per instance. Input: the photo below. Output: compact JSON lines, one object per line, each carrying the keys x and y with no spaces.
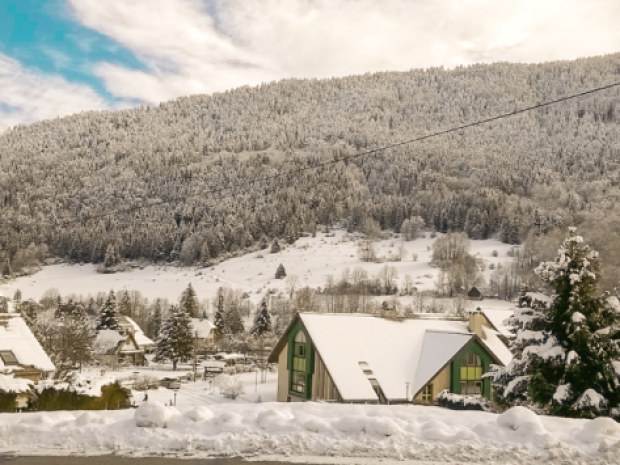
{"x":15,"y":336}
{"x":397,"y":352}
{"x":108,"y":341}
{"x":141,"y":339}
{"x":203,"y":327}
{"x":497,"y":318}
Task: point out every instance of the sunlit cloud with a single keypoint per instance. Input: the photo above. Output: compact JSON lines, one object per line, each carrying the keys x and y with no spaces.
{"x":27,"y":96}
{"x":205,"y":46}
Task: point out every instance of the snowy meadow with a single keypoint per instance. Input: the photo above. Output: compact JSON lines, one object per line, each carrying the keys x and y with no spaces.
{"x":311,"y":259}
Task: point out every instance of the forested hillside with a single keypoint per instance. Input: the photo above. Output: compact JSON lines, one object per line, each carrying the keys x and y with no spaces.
{"x":173,"y":182}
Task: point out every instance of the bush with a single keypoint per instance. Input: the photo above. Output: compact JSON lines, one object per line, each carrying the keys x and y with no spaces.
{"x":229,"y":386}
{"x":7,"y":402}
{"x":113,"y":397}
{"x":495,"y":253}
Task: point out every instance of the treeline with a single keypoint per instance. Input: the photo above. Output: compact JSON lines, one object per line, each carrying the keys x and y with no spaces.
{"x":194,"y":180}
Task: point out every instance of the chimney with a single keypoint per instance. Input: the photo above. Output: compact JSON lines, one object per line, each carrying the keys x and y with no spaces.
{"x":476,"y":321}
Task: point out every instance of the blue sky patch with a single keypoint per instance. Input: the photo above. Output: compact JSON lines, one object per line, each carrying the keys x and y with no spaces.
{"x":43,"y":36}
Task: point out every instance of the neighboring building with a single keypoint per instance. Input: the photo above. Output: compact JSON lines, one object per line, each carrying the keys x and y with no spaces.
{"x":20,"y":352}
{"x":131,"y":327}
{"x":474,"y":294}
{"x":366,"y":358}
{"x":203,"y":330}
{"x":112,"y":348}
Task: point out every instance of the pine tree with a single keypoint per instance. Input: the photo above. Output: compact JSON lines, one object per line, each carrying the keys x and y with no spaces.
{"x":564,"y":360}
{"x":111,"y":257}
{"x":235,"y":322}
{"x":189,"y":302}
{"x":108,"y":318}
{"x":280,"y":272}
{"x":262,"y":324}
{"x":219,"y":319}
{"x":175,"y":341}
{"x":124,"y":307}
{"x":275,"y":247}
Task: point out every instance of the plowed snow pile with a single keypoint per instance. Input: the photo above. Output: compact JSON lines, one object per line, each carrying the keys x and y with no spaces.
{"x":365,"y":432}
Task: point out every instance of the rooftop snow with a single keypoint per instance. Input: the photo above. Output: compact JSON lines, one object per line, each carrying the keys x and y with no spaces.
{"x":17,"y":337}
{"x":393,"y":350}
{"x":497,"y":319}
{"x":107,"y":341}
{"x":203,"y":327}
{"x":141,"y":339}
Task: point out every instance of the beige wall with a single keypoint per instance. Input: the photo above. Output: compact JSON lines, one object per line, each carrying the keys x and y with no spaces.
{"x":439,"y":382}
{"x":322,"y":386}
{"x":282,"y":375}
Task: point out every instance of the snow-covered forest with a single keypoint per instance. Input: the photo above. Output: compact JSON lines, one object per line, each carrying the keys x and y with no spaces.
{"x":192,"y":180}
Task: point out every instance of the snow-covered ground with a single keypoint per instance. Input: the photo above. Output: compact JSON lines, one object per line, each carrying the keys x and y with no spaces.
{"x":310,"y":259}
{"x":367,"y":432}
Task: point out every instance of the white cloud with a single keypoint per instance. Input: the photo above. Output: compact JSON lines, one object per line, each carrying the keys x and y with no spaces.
{"x":188,"y":51}
{"x":205,"y":46}
{"x":27,"y":96}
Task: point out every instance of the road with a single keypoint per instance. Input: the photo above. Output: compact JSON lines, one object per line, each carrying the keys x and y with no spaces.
{"x":113,"y":460}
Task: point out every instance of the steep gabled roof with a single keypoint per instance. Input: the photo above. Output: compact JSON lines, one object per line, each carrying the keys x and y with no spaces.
{"x":15,"y":336}
{"x":412,"y":351}
{"x":141,"y":339}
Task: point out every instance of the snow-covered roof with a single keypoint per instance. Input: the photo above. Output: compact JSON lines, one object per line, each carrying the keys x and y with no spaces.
{"x":141,"y":339}
{"x":203,"y":327}
{"x":15,"y":335}
{"x":9,"y":384}
{"x":497,"y":319}
{"x":397,"y":352}
{"x":107,"y":341}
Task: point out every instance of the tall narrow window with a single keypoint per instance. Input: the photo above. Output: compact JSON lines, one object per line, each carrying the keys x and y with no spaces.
{"x":300,"y":364}
{"x":427,"y":393}
{"x":471,"y":375}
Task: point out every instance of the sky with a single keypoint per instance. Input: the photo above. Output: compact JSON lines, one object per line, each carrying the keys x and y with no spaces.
{"x":59,"y":57}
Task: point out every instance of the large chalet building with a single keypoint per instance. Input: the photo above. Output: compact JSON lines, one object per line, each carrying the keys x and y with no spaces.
{"x":386,"y":359}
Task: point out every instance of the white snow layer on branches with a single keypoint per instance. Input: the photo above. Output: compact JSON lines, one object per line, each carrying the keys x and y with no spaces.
{"x":550,"y":350}
{"x":562,"y":394}
{"x":590,"y":399}
{"x":11,"y":385}
{"x":613,"y":303}
{"x":367,"y":432}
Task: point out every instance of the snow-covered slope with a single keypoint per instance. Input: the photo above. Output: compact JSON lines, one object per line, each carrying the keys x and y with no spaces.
{"x":310,"y":259}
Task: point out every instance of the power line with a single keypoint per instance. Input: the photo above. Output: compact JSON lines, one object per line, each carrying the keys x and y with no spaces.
{"x":358,"y":155}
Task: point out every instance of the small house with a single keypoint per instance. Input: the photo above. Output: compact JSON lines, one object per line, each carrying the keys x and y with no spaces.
{"x":203,"y":331}
{"x":20,"y":352}
{"x":368,"y":359}
{"x":129,"y":326}
{"x":112,"y":348}
{"x":474,"y":294}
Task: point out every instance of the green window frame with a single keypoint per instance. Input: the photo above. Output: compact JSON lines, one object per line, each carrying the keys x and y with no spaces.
{"x":467,"y":370}
{"x":300,"y":364}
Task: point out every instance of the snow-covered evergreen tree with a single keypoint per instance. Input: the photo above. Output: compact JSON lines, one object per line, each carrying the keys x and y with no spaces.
{"x":175,"y":341}
{"x":280,"y":272}
{"x":262,"y":324}
{"x":275,"y":247}
{"x":189,"y":301}
{"x":124,"y":306}
{"x":108,"y":318}
{"x":566,"y":356}
{"x":234,"y":320}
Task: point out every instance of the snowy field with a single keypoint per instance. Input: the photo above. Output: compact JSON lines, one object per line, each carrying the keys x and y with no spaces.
{"x":315,"y":430}
{"x":310,"y":259}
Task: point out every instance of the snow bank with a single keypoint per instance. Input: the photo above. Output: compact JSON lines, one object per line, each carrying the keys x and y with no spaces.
{"x":367,"y":432}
